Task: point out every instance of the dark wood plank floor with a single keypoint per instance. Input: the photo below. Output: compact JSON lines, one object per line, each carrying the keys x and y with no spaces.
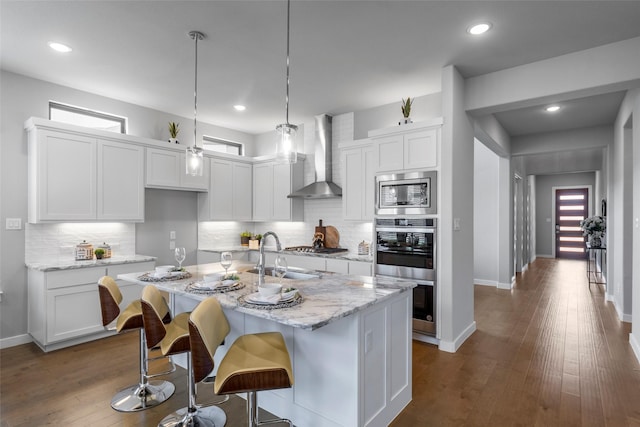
{"x":550,"y":352}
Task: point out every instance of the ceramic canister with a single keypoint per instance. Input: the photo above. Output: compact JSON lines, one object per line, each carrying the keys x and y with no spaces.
{"x":84,"y":251}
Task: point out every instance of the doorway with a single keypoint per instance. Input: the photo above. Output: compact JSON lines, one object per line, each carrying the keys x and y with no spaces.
{"x":571,"y":207}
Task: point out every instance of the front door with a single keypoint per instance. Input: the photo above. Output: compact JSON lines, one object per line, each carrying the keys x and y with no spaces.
{"x":572,"y":206}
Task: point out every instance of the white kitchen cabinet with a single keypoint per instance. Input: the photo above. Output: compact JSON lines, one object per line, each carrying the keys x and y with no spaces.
{"x":408,"y":147}
{"x":272,"y":183}
{"x":358,"y":182}
{"x":337,"y":265}
{"x":166,"y":169}
{"x":361,"y":268}
{"x":230,"y":194}
{"x":120,"y":181}
{"x":64,"y":306}
{"x":75,"y":176}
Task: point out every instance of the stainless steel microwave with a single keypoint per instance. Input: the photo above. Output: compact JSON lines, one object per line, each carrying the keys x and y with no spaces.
{"x":411,"y":193}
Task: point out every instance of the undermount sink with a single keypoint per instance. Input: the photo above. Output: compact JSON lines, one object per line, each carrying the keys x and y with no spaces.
{"x":292,"y":273}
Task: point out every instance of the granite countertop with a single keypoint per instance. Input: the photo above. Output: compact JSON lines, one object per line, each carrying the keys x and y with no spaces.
{"x":70,"y":264}
{"x":326,"y":299}
{"x":349,"y":256}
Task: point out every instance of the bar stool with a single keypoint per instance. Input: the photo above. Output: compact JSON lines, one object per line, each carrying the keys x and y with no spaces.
{"x":145,"y":394}
{"x":253,"y":363}
{"x":173,"y":338}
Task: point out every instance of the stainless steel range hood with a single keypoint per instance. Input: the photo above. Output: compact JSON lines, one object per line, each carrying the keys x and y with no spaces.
{"x":322,"y":188}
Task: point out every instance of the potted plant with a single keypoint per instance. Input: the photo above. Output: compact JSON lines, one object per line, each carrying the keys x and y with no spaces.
{"x":406,"y":109}
{"x":594,"y":227}
{"x":244,"y":238}
{"x":174,"y":129}
{"x":99,"y":253}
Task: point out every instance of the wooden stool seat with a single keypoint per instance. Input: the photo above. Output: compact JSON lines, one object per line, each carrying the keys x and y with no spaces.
{"x":145,"y":394}
{"x":255,"y":362}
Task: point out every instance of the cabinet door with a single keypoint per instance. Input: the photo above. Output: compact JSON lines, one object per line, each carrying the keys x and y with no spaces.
{"x":163,"y":168}
{"x":352,"y":188}
{"x":420,"y":149}
{"x":65,"y":177}
{"x":390,"y":151}
{"x":369,"y":185}
{"x":242,"y":192}
{"x":221,"y":193}
{"x":73,"y":312}
{"x":281,"y":189}
{"x":262,"y":192}
{"x":360,"y":268}
{"x":120,"y":181}
{"x":190,"y":182}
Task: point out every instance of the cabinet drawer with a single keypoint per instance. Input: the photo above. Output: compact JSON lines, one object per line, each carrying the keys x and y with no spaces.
{"x":81,"y":276}
{"x":338,"y":266}
{"x":360,"y":268}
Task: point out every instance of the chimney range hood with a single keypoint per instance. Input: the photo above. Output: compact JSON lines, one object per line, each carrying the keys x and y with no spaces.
{"x":322,"y":188}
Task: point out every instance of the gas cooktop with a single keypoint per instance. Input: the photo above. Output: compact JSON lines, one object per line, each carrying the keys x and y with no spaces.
{"x":311,"y":249}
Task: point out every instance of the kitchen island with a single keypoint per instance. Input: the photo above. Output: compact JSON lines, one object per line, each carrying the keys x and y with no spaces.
{"x":349,"y":341}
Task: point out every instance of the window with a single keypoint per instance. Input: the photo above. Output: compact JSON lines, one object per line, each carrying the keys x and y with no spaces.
{"x":222,"y":146}
{"x":88,"y":118}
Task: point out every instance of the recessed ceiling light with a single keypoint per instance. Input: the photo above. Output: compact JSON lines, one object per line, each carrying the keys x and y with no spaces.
{"x":239,"y":107}
{"x":552,"y":108}
{"x":59,"y":47}
{"x":478,"y":29}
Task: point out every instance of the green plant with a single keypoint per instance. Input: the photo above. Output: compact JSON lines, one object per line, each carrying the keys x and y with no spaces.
{"x":406,"y":107}
{"x":257,"y":237}
{"x":245,"y":234}
{"x":99,"y":252}
{"x":174,"y":129}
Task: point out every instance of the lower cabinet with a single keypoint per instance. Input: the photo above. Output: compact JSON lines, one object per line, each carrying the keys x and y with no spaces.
{"x":64,"y":306}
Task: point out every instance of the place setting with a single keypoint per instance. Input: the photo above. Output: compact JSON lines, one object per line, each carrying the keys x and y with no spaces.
{"x":168,"y":273}
{"x":217,"y":283}
{"x":271,"y":296}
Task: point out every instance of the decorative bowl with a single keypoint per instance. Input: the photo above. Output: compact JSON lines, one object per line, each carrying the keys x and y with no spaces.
{"x":267,"y":289}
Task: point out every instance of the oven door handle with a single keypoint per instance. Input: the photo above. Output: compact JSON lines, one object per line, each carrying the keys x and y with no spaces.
{"x":407,"y":229}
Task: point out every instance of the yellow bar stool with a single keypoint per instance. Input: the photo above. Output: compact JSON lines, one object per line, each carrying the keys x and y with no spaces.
{"x":146,"y":394}
{"x":173,"y":338}
{"x":253,"y":363}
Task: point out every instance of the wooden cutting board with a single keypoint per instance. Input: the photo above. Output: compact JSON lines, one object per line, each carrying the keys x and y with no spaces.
{"x":331,"y":237}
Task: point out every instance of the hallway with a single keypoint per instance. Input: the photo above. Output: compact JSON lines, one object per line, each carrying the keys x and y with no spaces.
{"x":550,"y":352}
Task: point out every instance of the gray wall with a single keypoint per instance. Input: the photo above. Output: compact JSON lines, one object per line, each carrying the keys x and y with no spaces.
{"x":166,"y":211}
{"x":544,"y":209}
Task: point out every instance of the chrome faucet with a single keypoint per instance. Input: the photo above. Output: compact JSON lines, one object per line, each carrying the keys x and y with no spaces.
{"x":260,"y":265}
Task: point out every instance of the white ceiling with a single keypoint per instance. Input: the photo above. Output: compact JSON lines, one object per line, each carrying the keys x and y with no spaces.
{"x":345,"y":55}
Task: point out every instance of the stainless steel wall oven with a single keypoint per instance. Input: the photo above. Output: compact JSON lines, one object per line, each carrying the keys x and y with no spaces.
{"x":406,"y":248}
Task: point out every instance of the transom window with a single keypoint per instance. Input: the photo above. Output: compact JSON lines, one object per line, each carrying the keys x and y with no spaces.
{"x":85,"y":117}
{"x":222,"y":146}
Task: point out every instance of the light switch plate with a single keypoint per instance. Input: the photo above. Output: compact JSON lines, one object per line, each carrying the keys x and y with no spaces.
{"x":14,"y":224}
{"x":172,"y":235}
{"x":456,"y":224}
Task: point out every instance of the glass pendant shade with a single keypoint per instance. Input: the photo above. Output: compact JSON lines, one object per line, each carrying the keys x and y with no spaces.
{"x":286,"y":150}
{"x":195,"y":161}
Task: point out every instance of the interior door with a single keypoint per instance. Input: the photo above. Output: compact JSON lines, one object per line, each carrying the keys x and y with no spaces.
{"x":572,"y":206}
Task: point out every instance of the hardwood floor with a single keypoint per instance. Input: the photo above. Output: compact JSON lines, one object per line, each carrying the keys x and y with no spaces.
{"x":550,"y":352}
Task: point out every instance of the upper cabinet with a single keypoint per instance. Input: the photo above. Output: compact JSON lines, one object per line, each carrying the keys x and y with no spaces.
{"x":272,"y":183}
{"x":413,"y":146}
{"x":358,"y":162}
{"x":78,"y":176}
{"x":230,"y":192}
{"x":166,"y":169}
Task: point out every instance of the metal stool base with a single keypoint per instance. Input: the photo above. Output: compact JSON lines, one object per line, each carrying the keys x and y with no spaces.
{"x":140,"y":397}
{"x":210,"y":416}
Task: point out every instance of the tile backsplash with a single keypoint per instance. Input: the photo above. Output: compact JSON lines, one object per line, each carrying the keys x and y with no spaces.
{"x":56,"y":242}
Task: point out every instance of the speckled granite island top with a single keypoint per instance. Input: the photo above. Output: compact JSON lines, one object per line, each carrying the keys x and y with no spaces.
{"x":326,"y":299}
{"x":70,"y":264}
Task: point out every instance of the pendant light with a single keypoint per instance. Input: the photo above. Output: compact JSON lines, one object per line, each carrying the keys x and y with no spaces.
{"x":286,"y":151}
{"x":194,"y":157}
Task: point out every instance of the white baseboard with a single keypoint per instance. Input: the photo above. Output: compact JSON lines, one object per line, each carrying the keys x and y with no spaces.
{"x":635,"y":345}
{"x":507,"y":286}
{"x":485,"y":282}
{"x":453,"y":346}
{"x":13,"y":341}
